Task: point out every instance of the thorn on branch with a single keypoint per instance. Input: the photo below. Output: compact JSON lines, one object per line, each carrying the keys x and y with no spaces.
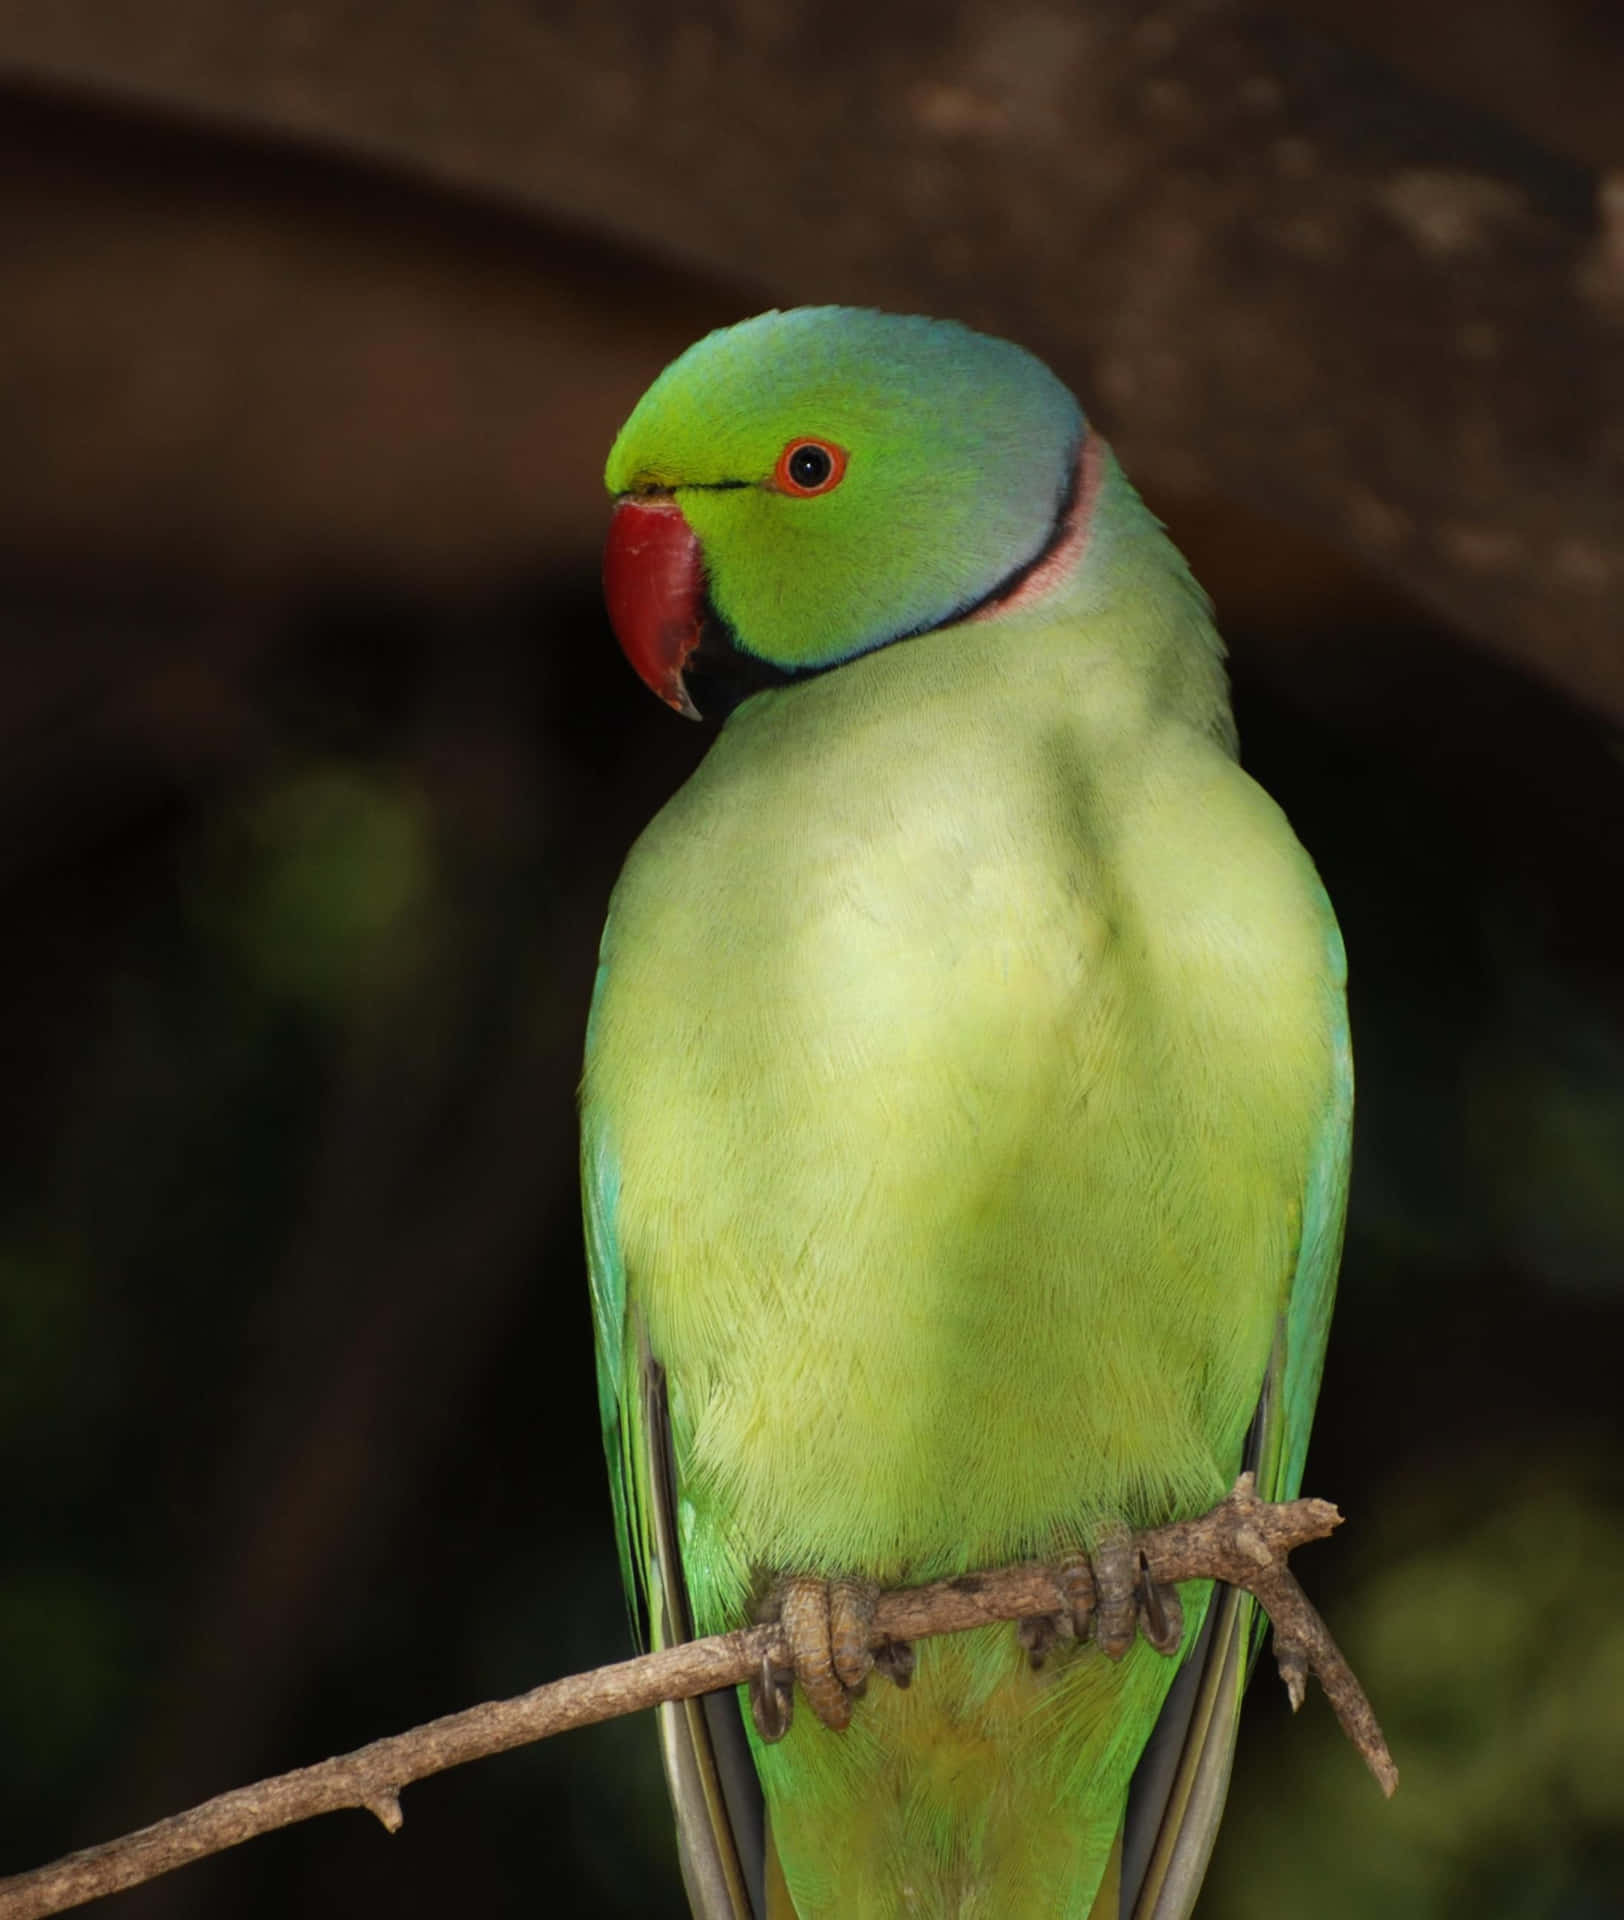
{"x":1243,"y":1540}
{"x":1249,"y":1552}
{"x":387,"y":1808}
{"x":1292,"y":1660}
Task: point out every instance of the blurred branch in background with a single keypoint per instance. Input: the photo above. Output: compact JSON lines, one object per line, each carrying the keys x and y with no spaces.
{"x":1275,"y":268}
{"x":316,"y":764}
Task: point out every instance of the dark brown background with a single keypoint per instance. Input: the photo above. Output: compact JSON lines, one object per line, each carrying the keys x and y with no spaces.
{"x":317,"y":762}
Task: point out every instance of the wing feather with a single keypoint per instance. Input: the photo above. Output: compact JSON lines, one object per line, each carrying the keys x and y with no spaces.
{"x":1179,"y":1787}
{"x":709,"y":1772}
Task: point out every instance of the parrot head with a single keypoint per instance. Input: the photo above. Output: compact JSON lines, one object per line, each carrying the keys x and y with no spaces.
{"x":807,"y":486}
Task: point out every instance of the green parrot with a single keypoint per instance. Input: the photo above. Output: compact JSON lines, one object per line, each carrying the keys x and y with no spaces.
{"x":965,"y":1125}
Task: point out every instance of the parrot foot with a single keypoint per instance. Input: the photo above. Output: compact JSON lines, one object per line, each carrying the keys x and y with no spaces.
{"x":828,"y":1625}
{"x":1041,"y":1633}
{"x":1111,"y":1592}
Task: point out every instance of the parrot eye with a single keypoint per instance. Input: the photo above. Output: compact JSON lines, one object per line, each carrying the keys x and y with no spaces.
{"x":808,"y":467}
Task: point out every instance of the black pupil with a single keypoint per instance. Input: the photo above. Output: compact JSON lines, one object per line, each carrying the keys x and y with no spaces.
{"x":809,"y":467}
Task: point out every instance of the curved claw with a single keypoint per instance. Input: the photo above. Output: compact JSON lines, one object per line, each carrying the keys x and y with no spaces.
{"x":1161,"y":1613}
{"x":772,"y":1702}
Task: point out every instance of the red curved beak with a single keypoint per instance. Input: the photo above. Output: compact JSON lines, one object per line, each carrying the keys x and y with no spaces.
{"x":654,"y":584}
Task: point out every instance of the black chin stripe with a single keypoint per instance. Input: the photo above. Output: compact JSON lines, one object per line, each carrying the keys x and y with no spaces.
{"x":720,"y":673}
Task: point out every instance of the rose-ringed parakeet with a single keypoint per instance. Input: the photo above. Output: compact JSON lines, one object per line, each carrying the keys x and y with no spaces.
{"x":966,"y":1116}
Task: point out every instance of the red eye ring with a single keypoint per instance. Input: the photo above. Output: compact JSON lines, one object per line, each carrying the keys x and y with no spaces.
{"x":809,"y":466}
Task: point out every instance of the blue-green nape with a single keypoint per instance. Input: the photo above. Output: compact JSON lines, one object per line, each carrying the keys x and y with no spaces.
{"x":960,"y":456}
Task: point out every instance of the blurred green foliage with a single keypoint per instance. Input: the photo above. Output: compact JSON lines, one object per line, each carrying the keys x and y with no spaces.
{"x":296,"y":1388}
{"x":322,"y":887}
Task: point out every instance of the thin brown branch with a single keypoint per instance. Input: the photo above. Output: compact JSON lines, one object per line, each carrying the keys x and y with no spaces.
{"x":1242,"y":1540}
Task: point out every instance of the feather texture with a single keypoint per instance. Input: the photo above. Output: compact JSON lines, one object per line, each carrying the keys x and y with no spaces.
{"x":966,"y":1113}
